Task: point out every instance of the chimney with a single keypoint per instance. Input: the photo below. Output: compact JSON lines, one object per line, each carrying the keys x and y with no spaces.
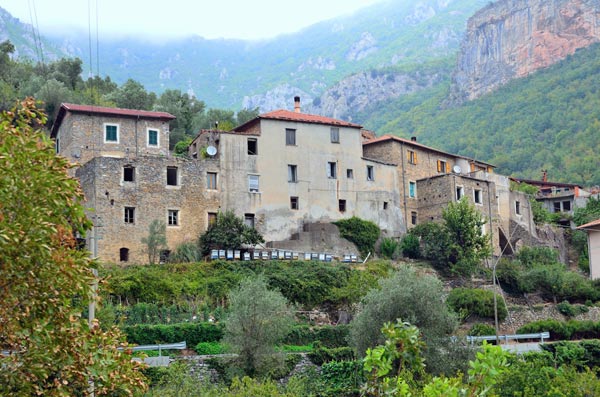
{"x":297,"y":104}
{"x":544,"y":175}
{"x":413,"y":138}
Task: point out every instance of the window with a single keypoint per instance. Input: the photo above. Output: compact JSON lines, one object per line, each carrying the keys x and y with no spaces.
{"x":128,"y":173}
{"x":557,"y":206}
{"x":370,"y":173}
{"x":152,"y":137}
{"x":211,"y":180}
{"x":290,"y":137}
{"x":518,"y":207}
{"x":413,"y":218}
{"x":477,"y":196}
{"x":129,"y":215}
{"x":460,"y":191}
{"x":294,"y":203}
{"x":385,"y":205}
{"x":335,"y":135}
{"x":163,"y":256}
{"x":566,"y":206}
{"x":249,"y":220}
{"x":212,"y":218}
{"x":111,"y":133}
{"x":172,"y":176}
{"x":412,"y":189}
{"x":443,"y":167}
{"x":412,"y":157}
{"x":331,"y":170}
{"x":173,"y":217}
{"x":349,"y":173}
{"x":342,"y":205}
{"x":252,"y":146}
{"x":124,"y":254}
{"x":57,"y":144}
{"x":292,"y":173}
{"x":253,"y":183}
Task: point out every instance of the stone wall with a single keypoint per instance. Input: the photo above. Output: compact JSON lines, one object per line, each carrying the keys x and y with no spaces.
{"x":150,"y":196}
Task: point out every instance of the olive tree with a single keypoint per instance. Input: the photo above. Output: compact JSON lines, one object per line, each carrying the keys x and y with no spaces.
{"x":228,"y":232}
{"x":47,"y":347}
{"x":410,"y":296}
{"x":259,"y":318}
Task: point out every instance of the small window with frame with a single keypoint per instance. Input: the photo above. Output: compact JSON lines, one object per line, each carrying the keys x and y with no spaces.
{"x":335,"y":135}
{"x":128,"y":173}
{"x":129,"y":215}
{"x":152,"y":137}
{"x":294,"y":203}
{"x":173,"y":217}
{"x":331,"y":170}
{"x":290,"y":137}
{"x":370,"y":173}
{"x":342,"y":205}
{"x":111,"y":133}
{"x":292,"y":173}
{"x":477,"y":196}
{"x":252,"y":146}
{"x":412,"y":157}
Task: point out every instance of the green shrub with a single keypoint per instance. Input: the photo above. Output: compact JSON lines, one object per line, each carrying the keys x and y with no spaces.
{"x":576,"y":288}
{"x":481,"y":329}
{"x":558,"y":329}
{"x":509,"y":274}
{"x":328,"y":335}
{"x":209,"y":348}
{"x":532,"y":256}
{"x":388,"y":247}
{"x":570,"y":310}
{"x":411,"y":247}
{"x":192,"y":333}
{"x":342,"y":378}
{"x":362,"y":233}
{"x":476,"y":301}
{"x":321,"y":355}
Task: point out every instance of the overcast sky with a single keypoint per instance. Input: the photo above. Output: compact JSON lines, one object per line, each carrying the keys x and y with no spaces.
{"x":242,"y":19}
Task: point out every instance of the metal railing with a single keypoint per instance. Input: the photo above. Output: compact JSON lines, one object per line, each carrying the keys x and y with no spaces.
{"x":541,"y":336}
{"x":160,"y":348}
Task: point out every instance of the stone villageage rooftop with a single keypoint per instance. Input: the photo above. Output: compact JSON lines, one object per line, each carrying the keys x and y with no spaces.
{"x":288,"y":174}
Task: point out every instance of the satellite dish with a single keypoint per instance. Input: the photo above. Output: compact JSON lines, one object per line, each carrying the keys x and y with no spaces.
{"x":456,"y":169}
{"x":211,"y":150}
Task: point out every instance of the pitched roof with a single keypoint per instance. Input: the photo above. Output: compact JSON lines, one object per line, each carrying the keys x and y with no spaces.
{"x":101,"y":110}
{"x":287,"y":115}
{"x":387,"y":138}
{"x":594,"y":225}
{"x":545,"y":184}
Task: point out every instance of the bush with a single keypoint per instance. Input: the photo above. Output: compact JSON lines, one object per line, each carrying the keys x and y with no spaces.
{"x":388,"y":248}
{"x":321,"y":355}
{"x":411,"y":247}
{"x":509,"y":275}
{"x":476,"y":301}
{"x":328,"y":335}
{"x":192,"y":333}
{"x":481,"y":329}
{"x":342,"y":378}
{"x":362,"y":233}
{"x":532,"y":256}
{"x":561,"y":330}
{"x":209,"y":348}
{"x":570,"y":310}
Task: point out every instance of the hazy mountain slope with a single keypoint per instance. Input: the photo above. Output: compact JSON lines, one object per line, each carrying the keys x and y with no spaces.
{"x":549,"y":120}
{"x":225,"y":72}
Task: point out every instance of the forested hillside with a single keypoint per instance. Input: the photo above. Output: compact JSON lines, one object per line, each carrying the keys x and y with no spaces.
{"x":550,"y":120}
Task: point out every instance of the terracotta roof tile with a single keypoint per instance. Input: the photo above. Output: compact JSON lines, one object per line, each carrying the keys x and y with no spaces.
{"x":590,"y":225}
{"x":306,"y":118}
{"x":101,"y":110}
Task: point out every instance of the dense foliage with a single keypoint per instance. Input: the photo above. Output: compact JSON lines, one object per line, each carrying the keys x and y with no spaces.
{"x":408,"y":295}
{"x":469,"y":301}
{"x":362,"y":233}
{"x":46,"y":281}
{"x":228,"y":232}
{"x":564,"y":330}
{"x":259,"y":318}
{"x":549,"y":120}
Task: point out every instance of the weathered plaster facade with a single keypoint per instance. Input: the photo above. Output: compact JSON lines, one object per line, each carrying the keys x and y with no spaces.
{"x":593,"y":231}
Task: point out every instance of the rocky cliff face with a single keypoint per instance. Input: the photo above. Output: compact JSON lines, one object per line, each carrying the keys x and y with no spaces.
{"x":513,"y":38}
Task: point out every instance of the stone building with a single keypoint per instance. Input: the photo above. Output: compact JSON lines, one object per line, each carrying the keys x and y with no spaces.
{"x":283,"y":170}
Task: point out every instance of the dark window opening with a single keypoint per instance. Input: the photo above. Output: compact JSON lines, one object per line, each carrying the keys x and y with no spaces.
{"x":294,"y":203}
{"x":164,"y":256}
{"x":212,"y":218}
{"x":460,"y":191}
{"x":518,"y":207}
{"x":349,"y":173}
{"x":173,"y":218}
{"x":557,"y":206}
{"x":249,"y":220}
{"x":370,"y":173}
{"x":172,"y":176}
{"x":252,"y":146}
{"x":413,"y":218}
{"x":477,"y":196}
{"x":442,"y":166}
{"x":342,"y":205}
{"x":385,"y":205}
{"x":128,"y":174}
{"x":129,"y":215}
{"x":124,"y":254}
{"x":566,"y":205}
{"x":331,"y":170}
